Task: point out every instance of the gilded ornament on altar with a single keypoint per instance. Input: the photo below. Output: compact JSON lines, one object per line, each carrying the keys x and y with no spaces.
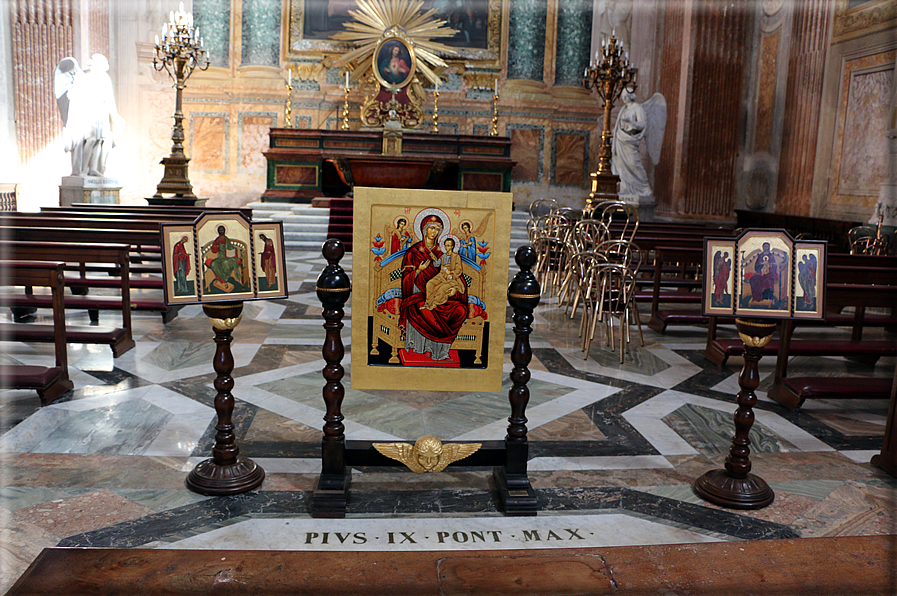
{"x":394,"y":46}
{"x":428,"y":454}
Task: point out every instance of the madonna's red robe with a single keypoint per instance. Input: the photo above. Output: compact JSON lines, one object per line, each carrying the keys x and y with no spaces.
{"x":443,"y":322}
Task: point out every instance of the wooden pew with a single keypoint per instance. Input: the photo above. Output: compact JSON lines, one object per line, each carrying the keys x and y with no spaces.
{"x":50,"y":382}
{"x":791,"y":392}
{"x":181,"y":209}
{"x":76,"y":236}
{"x":718,"y":351}
{"x":119,"y":339}
{"x":687,"y":261}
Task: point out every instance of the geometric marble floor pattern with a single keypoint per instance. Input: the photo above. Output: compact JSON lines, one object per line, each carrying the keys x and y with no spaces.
{"x":614,"y":448}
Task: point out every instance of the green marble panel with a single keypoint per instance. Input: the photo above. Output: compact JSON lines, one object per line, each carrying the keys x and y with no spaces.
{"x":526,"y":39}
{"x":261,"y":33}
{"x":710,"y":431}
{"x":574,"y":41}
{"x":213,"y":19}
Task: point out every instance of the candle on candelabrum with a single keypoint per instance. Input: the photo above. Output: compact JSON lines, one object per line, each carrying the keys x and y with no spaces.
{"x":179,"y":52}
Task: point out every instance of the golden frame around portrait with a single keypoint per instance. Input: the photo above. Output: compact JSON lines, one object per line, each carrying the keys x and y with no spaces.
{"x":430,"y":272}
{"x":394,"y":63}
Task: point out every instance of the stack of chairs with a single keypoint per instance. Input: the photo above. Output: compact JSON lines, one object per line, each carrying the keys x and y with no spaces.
{"x":589,"y":260}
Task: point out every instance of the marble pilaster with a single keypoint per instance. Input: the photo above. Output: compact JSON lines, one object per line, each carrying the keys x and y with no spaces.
{"x":526,"y":39}
{"x":213,"y":19}
{"x":261,"y":33}
{"x":573,"y":43}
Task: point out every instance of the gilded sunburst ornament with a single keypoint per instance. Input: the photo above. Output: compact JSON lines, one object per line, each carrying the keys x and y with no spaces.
{"x":377,"y":20}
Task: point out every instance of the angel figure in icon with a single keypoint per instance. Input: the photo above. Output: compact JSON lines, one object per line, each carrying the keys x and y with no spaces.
{"x":398,"y":234}
{"x":468,"y":237}
{"x":806,"y":277}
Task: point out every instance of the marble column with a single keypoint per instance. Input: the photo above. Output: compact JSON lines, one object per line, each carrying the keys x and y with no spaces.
{"x":8,"y":147}
{"x":213,"y":19}
{"x":702,"y":76}
{"x":42,"y":35}
{"x":810,"y":31}
{"x":573,"y":42}
{"x":526,"y":39}
{"x":261,"y":34}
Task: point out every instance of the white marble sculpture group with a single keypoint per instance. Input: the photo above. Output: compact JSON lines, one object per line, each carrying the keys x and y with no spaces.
{"x":87,"y":106}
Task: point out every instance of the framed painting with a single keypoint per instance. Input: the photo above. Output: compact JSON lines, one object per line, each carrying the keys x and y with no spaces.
{"x":269,"y":263}
{"x":764,"y":286}
{"x":394,"y":63}
{"x":809,"y":293}
{"x":719,"y":267}
{"x":179,"y":246}
{"x":430,"y":273}
{"x":477,"y":25}
{"x":225,"y":257}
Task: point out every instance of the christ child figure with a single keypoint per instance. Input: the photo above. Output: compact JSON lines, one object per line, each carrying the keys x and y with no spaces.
{"x":448,"y":281}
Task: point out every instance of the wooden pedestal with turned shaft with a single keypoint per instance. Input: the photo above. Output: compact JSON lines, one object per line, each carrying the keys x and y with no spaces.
{"x":735,"y":487}
{"x":507,"y":458}
{"x":225,"y":473}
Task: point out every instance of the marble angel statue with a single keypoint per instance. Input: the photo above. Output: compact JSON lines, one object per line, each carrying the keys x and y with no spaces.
{"x":87,"y":107}
{"x":636,"y":122}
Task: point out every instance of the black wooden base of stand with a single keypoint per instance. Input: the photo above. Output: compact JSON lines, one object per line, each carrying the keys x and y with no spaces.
{"x":721,"y":489}
{"x":209,"y":478}
{"x":518,"y":499}
{"x":331,"y":496}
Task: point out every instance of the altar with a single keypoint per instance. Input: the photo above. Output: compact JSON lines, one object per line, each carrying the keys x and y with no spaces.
{"x":304,"y":164}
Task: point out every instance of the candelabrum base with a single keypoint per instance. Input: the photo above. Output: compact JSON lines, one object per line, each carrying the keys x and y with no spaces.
{"x":719,"y":488}
{"x":209,"y":478}
{"x":174,"y":180}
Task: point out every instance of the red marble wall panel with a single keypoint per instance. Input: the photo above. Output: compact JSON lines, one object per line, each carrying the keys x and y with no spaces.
{"x":803,"y":96}
{"x":253,"y":141}
{"x":525,"y":151}
{"x":209,"y":146}
{"x":42,"y":35}
{"x":570,"y":155}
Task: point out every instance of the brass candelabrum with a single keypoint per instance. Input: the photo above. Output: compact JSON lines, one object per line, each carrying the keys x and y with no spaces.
{"x":609,"y":74}
{"x":493,"y":132}
{"x":288,"y":112}
{"x":345,"y":124}
{"x":435,"y":113}
{"x":179,"y":52}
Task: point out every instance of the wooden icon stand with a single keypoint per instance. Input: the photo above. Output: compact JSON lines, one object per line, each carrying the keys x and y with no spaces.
{"x":735,"y":487}
{"x":759,"y":285}
{"x":219,"y":260}
{"x":508,"y":458}
{"x":225,"y":473}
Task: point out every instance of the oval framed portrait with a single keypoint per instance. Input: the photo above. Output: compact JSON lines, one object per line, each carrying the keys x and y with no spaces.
{"x":394,"y":63}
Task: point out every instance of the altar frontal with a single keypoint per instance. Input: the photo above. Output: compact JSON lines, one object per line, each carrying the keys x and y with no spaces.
{"x":430,"y":270}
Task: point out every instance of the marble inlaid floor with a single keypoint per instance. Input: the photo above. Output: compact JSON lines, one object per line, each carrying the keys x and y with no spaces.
{"x":614,"y":447}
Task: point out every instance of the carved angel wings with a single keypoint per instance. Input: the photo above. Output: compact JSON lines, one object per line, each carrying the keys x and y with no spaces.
{"x":427,"y":460}
{"x":656,"y":111}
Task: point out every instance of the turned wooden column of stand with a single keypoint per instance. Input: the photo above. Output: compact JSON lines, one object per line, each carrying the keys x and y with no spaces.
{"x":735,"y":486}
{"x":333,"y":287}
{"x":225,"y":473}
{"x":514,"y":487}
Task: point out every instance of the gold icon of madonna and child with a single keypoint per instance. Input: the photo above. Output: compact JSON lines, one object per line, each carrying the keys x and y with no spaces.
{"x":430,"y":270}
